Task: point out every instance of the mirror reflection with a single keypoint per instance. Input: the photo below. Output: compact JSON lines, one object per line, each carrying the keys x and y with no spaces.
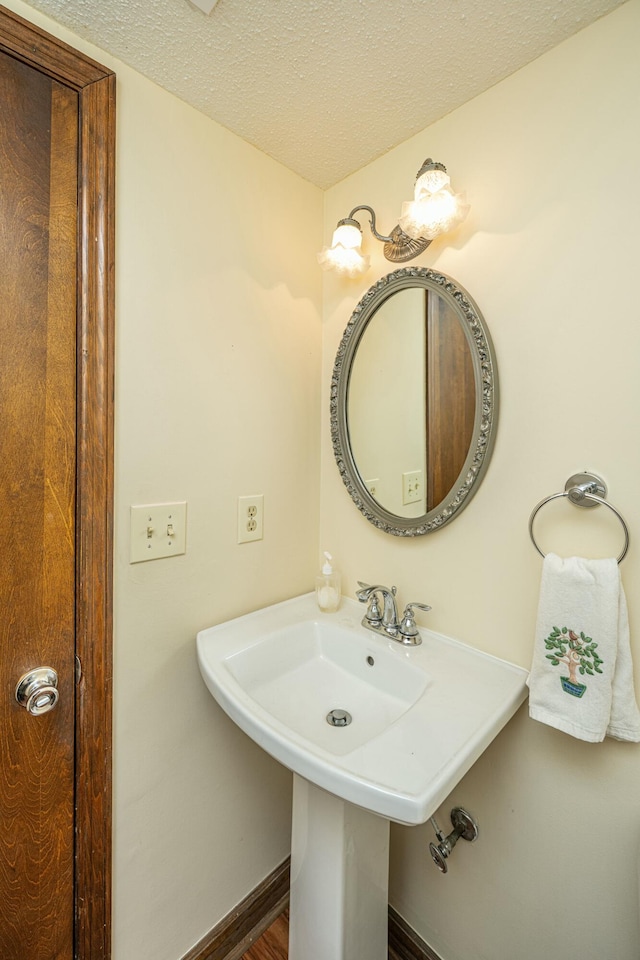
{"x":413,"y":401}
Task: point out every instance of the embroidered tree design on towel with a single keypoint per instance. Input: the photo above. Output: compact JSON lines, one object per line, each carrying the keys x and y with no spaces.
{"x":578,"y":653}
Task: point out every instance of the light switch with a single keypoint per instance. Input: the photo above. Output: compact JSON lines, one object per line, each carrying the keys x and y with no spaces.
{"x":158,"y":530}
{"x":412,"y":486}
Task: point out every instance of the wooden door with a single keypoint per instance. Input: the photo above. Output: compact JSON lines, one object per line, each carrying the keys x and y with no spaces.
{"x":56,"y":318}
{"x":451,"y":398}
{"x":38,"y":211}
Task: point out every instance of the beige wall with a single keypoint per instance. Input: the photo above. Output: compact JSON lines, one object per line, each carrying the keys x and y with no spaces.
{"x":549,"y":160}
{"x":218,"y":377}
{"x":218,"y":395}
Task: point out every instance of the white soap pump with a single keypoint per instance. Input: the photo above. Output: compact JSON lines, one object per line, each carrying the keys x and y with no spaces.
{"x":328,"y":586}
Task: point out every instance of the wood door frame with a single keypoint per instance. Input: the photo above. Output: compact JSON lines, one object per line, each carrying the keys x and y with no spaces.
{"x":95,"y":86}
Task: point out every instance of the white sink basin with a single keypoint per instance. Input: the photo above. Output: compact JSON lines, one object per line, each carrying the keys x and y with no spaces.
{"x":421,"y":716}
{"x":300,"y":672}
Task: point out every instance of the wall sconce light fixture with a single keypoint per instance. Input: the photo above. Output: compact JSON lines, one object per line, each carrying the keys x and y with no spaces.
{"x":435,"y":209}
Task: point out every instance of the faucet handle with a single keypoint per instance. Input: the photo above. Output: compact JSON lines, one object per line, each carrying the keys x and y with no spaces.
{"x":368,"y":593}
{"x":373,"y":616}
{"x":408,"y":628}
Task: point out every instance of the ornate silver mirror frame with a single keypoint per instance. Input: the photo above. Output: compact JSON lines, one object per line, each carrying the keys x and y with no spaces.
{"x":486,"y":401}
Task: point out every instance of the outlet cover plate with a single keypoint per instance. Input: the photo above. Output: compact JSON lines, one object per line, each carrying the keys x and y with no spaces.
{"x":250,"y":517}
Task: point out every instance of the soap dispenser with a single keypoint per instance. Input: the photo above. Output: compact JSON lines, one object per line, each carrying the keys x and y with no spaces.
{"x":328,"y":587}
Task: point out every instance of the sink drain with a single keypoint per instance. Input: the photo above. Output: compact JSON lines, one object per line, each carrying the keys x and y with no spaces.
{"x":339,"y":718}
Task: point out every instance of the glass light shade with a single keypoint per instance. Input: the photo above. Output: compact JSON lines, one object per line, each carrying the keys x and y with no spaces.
{"x":347,"y":235}
{"x":344,"y":254}
{"x":430,"y":182}
{"x":431,"y":214}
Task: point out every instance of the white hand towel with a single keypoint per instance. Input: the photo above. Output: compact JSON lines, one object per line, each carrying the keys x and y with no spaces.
{"x":581,"y":677}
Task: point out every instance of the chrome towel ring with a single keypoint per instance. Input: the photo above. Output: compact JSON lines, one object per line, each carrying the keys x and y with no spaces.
{"x":583,"y":490}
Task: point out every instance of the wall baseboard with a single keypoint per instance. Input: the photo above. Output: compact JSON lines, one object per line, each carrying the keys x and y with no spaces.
{"x":235,"y":933}
{"x":404,"y":942}
{"x":233,"y":936}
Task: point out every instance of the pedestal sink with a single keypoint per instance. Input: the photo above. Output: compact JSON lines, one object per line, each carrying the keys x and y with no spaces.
{"x":410,"y":723}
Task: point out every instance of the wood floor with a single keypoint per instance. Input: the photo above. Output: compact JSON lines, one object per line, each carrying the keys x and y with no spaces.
{"x":272,"y":945}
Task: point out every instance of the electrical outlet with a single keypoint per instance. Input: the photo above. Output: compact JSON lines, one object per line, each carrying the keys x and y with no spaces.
{"x":158,"y":530}
{"x":412,"y":486}
{"x":372,"y":486}
{"x":250,"y":518}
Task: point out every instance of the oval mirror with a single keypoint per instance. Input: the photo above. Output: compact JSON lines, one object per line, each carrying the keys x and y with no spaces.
{"x":414,"y":398}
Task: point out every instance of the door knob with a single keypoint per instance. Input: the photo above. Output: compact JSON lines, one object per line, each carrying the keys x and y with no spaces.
{"x":37,"y":690}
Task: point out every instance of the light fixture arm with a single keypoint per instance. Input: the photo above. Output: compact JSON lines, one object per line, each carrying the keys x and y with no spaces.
{"x":398,"y":247}
{"x":372,"y":222}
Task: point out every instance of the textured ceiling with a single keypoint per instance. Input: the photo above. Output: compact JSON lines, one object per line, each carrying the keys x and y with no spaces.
{"x":326,"y":86}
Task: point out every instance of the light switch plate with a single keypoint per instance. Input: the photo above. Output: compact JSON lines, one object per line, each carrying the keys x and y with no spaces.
{"x":412,"y":486}
{"x":158,"y":530}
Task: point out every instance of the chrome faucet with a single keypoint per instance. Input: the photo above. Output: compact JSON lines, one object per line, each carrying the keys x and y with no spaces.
{"x":389,"y":618}
{"x":386,"y":622}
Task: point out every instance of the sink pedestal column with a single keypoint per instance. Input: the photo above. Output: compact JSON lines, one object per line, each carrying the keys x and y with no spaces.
{"x":339,"y":878}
